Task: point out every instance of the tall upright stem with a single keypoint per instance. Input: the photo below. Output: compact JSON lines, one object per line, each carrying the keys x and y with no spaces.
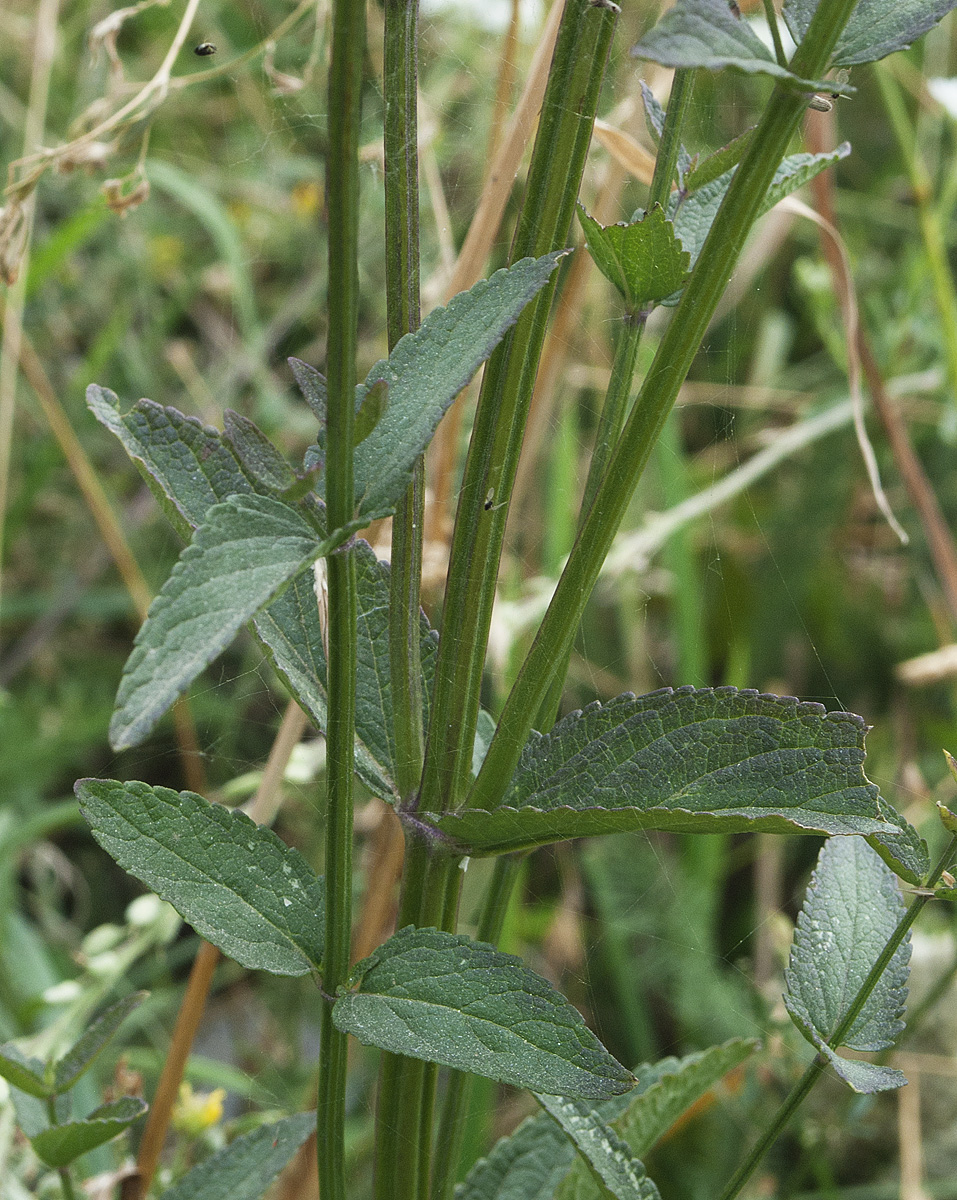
{"x":342,"y":190}
{"x":672,"y":361}
{"x":554,"y":177}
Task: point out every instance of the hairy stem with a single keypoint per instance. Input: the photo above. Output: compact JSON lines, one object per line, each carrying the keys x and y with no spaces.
{"x":342,"y":189}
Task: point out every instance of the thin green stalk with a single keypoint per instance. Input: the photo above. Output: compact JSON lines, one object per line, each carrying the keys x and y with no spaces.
{"x":932,"y":232}
{"x":400,"y":77}
{"x":451,"y":1131}
{"x":561,"y":144}
{"x":342,"y":190}
{"x":672,"y":361}
{"x":666,"y":161}
{"x":772,"y":19}
{"x":615,"y":409}
{"x":816,"y":1068}
{"x":407,"y":1085}
{"x":66,"y":1183}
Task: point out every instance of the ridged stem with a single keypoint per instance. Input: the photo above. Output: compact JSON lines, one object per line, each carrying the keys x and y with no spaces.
{"x":672,"y":361}
{"x":342,"y":191}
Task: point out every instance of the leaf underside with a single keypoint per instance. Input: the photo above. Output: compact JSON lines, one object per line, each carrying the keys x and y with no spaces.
{"x":191,"y":467}
{"x":245,"y":552}
{"x":532,"y":1162}
{"x":705,"y":33}
{"x":463,"y":1004}
{"x":852,"y":907}
{"x":690,"y":760}
{"x":876,"y":28}
{"x":245,"y":1168}
{"x":238,"y":884}
{"x":609,"y":1160}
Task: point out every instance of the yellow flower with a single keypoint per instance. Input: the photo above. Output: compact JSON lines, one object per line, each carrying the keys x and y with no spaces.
{"x":196,"y":1111}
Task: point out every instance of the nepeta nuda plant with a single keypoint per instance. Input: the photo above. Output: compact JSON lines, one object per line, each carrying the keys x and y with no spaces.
{"x":401,"y":708}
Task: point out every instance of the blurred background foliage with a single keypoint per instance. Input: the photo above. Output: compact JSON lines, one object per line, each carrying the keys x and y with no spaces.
{"x":795,"y":583}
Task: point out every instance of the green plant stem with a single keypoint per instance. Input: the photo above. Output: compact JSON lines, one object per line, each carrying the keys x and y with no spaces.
{"x":615,"y":409}
{"x":932,"y":232}
{"x":451,"y":1131}
{"x":407,"y":1085}
{"x":66,"y":1183}
{"x":564,"y":133}
{"x":672,"y":361}
{"x":666,"y":161}
{"x":342,"y":190}
{"x":816,"y":1068}
{"x":400,"y":77}
{"x":772,"y":19}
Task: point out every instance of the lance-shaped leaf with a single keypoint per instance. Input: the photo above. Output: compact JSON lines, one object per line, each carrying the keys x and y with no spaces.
{"x":238,"y":884}
{"x":715,"y":165}
{"x":59,"y":1145}
{"x":23,"y":1072}
{"x":245,"y":1168}
{"x":463,"y":1004}
{"x":706,"y":760}
{"x":644,"y":260}
{"x":426,"y":371}
{"x":876,"y":28}
{"x":607,"y":1156}
{"x":531,"y":1163}
{"x":678,"y":1084}
{"x":84,"y":1052}
{"x":705,"y":33}
{"x":256,"y":454}
{"x":246,"y":551}
{"x":852,"y":907}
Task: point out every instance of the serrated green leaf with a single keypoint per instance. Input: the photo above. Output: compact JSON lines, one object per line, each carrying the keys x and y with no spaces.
{"x":245,"y":1168}
{"x":680,"y":1083}
{"x":608,"y":1158}
{"x":904,"y":850}
{"x":187,"y":465}
{"x":238,"y":884}
{"x":694,"y":214}
{"x":23,"y":1072}
{"x":876,"y":28}
{"x":245,"y":552}
{"x":644,"y":259}
{"x":531,"y":1163}
{"x":428,"y":368}
{"x":852,"y":907}
{"x":463,"y":1004}
{"x":257,"y":455}
{"x":705,"y":33}
{"x":715,"y":165}
{"x":82,"y":1055}
{"x":198,"y":468}
{"x":59,"y":1145}
{"x":706,"y":760}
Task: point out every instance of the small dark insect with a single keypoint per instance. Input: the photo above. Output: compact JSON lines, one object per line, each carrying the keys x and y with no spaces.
{"x":488,"y":499}
{"x":205,"y":49}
